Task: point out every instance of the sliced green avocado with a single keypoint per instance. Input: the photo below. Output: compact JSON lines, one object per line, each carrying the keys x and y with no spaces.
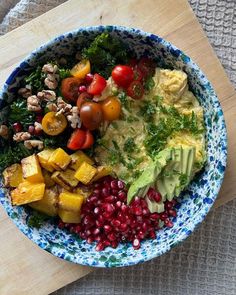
{"x":148,"y":177}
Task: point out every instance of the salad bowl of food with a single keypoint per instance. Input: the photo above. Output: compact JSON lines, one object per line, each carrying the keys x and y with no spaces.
{"x":113,"y":146}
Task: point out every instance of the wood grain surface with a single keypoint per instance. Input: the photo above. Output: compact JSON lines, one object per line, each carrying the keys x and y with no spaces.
{"x":25,"y":268}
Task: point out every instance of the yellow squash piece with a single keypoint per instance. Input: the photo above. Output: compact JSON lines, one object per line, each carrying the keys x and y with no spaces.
{"x":70,"y":201}
{"x":31,"y":169}
{"x":101,"y":172}
{"x":78,"y":158}
{"x":13,"y":175}
{"x":43,"y":157}
{"x":69,"y":216}
{"x":48,"y":204}
{"x":49,"y":182}
{"x":65,"y":178}
{"x":59,"y":159}
{"x":85,"y":173}
{"x":84,"y":191}
{"x":27,"y":192}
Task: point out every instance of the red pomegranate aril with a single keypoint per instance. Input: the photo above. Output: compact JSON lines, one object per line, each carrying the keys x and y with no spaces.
{"x":39,"y":118}
{"x":96,"y":231}
{"x":152,"y":234}
{"x":78,"y":228}
{"x":61,"y":224}
{"x":107,"y":228}
{"x":145,"y":212}
{"x":115,"y":192}
{"x":110,"y":199}
{"x":31,"y":129}
{"x":109,"y":208}
{"x":172,"y":212}
{"x":72,"y":229}
{"x":82,"y":235}
{"x":88,"y":232}
{"x":96,"y":210}
{"x":168,"y":222}
{"x":111,"y":237}
{"x":105,"y":192}
{"x":154,"y":216}
{"x":92,"y":199}
{"x":124,"y":208}
{"x":90,"y":240}
{"x":97,"y":186}
{"x":106,"y":243}
{"x":151,"y":193}
{"x":168,"y":205}
{"x":88,"y":221}
{"x":98,"y":238}
{"x":118,"y":204}
{"x":17,"y":127}
{"x":114,"y":244}
{"x":144,"y":226}
{"x":122,"y":196}
{"x":120,"y":184}
{"x":123,"y":227}
{"x":100,"y":246}
{"x":136,"y":244}
{"x":114,"y":184}
{"x":163,"y":216}
{"x":143,"y":204}
{"x":82,"y":88}
{"x":137,"y":211}
{"x":157,"y":197}
{"x":88,"y":78}
{"x":115,"y":223}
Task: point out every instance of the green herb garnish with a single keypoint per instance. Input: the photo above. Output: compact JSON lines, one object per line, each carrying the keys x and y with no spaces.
{"x":149,"y":84}
{"x":36,"y":219}
{"x":36,"y":79}
{"x":147,"y":111}
{"x":129,"y":145}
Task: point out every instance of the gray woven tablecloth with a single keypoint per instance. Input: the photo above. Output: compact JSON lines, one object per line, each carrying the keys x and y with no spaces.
{"x":206,"y":262}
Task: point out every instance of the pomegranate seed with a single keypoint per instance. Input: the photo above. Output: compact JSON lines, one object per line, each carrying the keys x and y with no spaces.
{"x":17,"y":127}
{"x":168,"y":222}
{"x":146,"y":212}
{"x":114,"y":184}
{"x":107,"y":228}
{"x":174,"y":202}
{"x":39,"y":118}
{"x":121,"y":196}
{"x":89,"y":240}
{"x":61,"y":224}
{"x":120,"y":184}
{"x":31,"y":129}
{"x":88,"y":232}
{"x":115,"y":223}
{"x":143,"y":204}
{"x":106,"y":243}
{"x":88,"y":221}
{"x":98,"y":238}
{"x":82,"y":88}
{"x":154,"y":216}
{"x":99,"y":223}
{"x":123,"y":227}
{"x":144,"y":226}
{"x":151,"y":194}
{"x":83,"y":235}
{"x":100,"y":246}
{"x":92,"y":199}
{"x":96,"y":210}
{"x":78,"y":228}
{"x":141,"y":235}
{"x":105,"y":192}
{"x":163,"y":216}
{"x":157,"y":197}
{"x":72,"y":229}
{"x":136,"y":244}
{"x":97,"y":186}
{"x":168,"y":205}
{"x":110,"y":199}
{"x":109,"y":208}
{"x":96,"y":231}
{"x":115,"y":192}
{"x":172,"y":212}
{"x":137,"y":210}
{"x":114,"y":244}
{"x":152,"y":234}
{"x":88,"y":78}
{"x":118,"y":204}
{"x":124,"y":208}
{"x":111,"y":237}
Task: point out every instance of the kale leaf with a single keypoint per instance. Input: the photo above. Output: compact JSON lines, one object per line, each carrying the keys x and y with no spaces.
{"x":104,"y":53}
{"x":36,"y":79}
{"x":19,"y":113}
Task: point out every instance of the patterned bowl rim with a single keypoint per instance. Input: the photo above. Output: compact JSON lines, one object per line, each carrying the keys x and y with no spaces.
{"x":190,"y":224}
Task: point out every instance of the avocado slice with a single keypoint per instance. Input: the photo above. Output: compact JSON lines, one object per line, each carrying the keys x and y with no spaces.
{"x":149,"y":175}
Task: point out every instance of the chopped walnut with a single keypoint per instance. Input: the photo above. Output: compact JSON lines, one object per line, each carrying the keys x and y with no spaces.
{"x":47,"y":95}
{"x":51,"y":81}
{"x":4,"y":131}
{"x":73,"y":118}
{"x":50,"y":68}
{"x":21,"y":136}
{"x":33,"y":103}
{"x":52,"y":107}
{"x":37,"y":127}
{"x":25,"y":92}
{"x":29,"y":144}
{"x":63,"y":107}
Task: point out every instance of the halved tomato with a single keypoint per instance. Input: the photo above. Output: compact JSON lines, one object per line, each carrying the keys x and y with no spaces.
{"x":97,"y":86}
{"x":53,"y":123}
{"x":83,"y":97}
{"x":81,"y":69}
{"x":80,"y":139}
{"x":70,"y":88}
{"x":135,"y":90}
{"x":146,"y":66}
{"x":89,"y":140}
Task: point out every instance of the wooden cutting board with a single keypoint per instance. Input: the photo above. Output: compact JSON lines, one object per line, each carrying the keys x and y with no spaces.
{"x":25,"y":268}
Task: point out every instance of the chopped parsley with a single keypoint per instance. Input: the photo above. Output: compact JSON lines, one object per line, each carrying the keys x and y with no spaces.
{"x":36,"y":219}
{"x":147,"y":110}
{"x":149,"y":84}
{"x":124,"y":100}
{"x":36,"y":79}
{"x":129,"y":145}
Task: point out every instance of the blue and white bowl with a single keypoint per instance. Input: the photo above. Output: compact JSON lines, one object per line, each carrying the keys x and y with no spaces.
{"x":195,"y":202}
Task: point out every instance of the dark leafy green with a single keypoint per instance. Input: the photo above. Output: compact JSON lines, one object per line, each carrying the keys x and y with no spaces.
{"x":149,"y":84}
{"x":36,"y":219}
{"x":105,"y":52}
{"x":19,"y":113}
{"x":129,"y":145}
{"x":36,"y":79}
{"x":147,"y":110}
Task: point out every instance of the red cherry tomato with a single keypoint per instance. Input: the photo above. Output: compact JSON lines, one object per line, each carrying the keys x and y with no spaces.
{"x":70,"y":87}
{"x":123,"y":75}
{"x":77,"y":139}
{"x":146,"y":66}
{"x":135,"y":90}
{"x":97,"y":86}
{"x":83,"y":97}
{"x":89,"y":140}
{"x":138,"y":75}
{"x":91,"y":115}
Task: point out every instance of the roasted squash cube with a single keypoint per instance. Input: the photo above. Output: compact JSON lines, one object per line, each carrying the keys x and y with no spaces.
{"x":85,"y":173}
{"x":59,"y":159}
{"x":101,"y":172}
{"x":48,"y":204}
{"x":78,"y":158}
{"x":31,"y":169}
{"x":27,"y":192}
{"x":84,"y":191}
{"x":49,"y":182}
{"x":69,"y":216}
{"x":43,"y":157}
{"x":70,"y":201}
{"x":65,"y":178}
{"x":13,"y":175}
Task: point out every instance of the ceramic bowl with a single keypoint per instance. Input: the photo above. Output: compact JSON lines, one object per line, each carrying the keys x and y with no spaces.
{"x":195,"y":202}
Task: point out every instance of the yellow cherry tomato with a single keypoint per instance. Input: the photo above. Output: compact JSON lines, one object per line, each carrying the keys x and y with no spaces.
{"x":53,"y":123}
{"x":81,"y":69}
{"x":111,"y":108}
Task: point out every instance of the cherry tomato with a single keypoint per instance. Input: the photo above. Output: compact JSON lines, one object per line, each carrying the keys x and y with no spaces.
{"x":80,"y":139}
{"x":89,"y":140}
{"x":122,"y":75}
{"x":146,"y":66}
{"x":83,"y":97}
{"x":97,"y":86}
{"x":53,"y":123}
{"x":70,"y":88}
{"x":138,"y":75}
{"x":135,"y":90}
{"x":111,"y":108}
{"x":91,"y":115}
{"x":81,"y":69}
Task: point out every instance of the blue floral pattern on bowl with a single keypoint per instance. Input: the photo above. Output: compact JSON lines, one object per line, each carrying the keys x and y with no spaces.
{"x":195,"y":202}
